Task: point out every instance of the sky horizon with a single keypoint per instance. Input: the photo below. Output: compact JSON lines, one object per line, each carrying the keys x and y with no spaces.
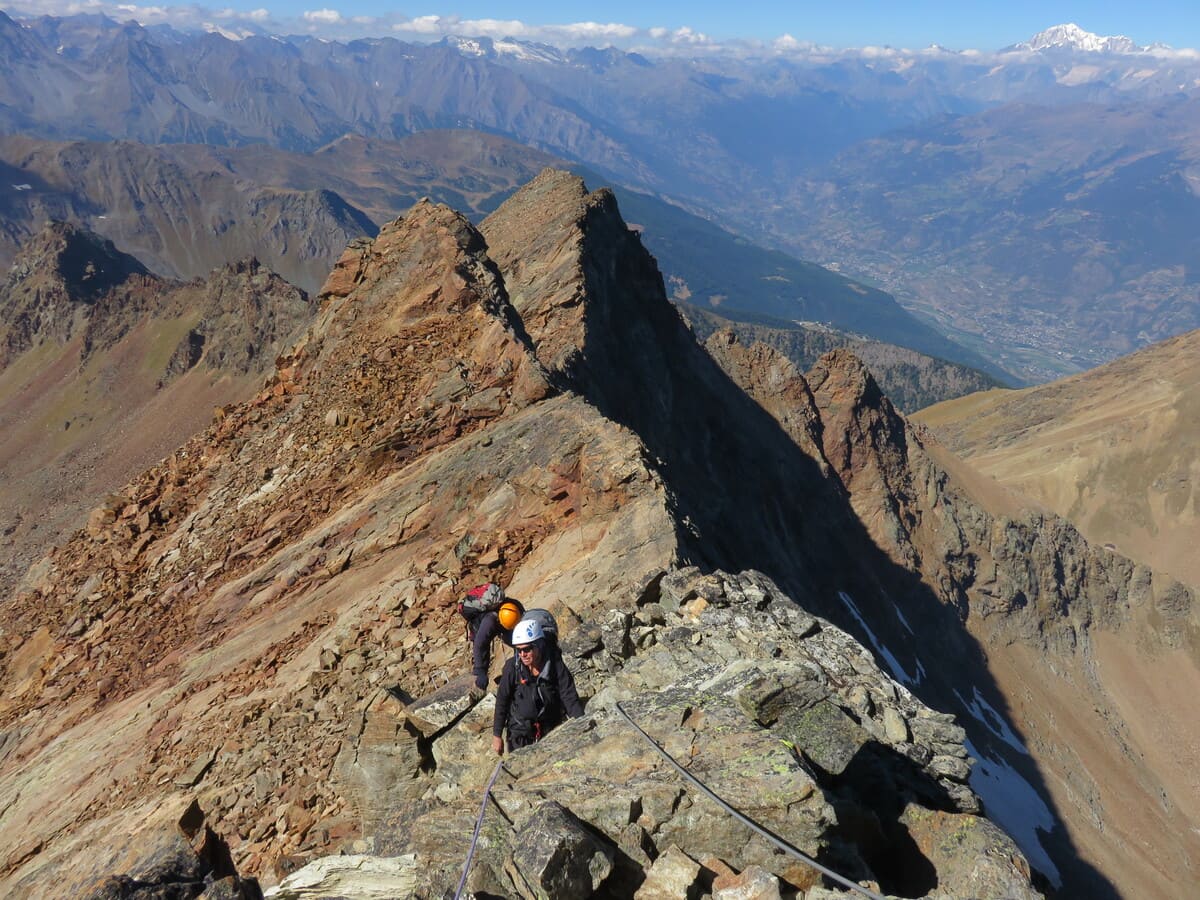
{"x":907,"y":24}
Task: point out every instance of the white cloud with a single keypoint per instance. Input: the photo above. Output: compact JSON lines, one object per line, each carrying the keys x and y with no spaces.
{"x":574,"y":32}
{"x":686,"y":35}
{"x":1185,"y":54}
{"x":593,"y":30}
{"x":323,"y":17}
{"x":145,"y":13}
{"x":493,"y":28}
{"x":422,"y":25}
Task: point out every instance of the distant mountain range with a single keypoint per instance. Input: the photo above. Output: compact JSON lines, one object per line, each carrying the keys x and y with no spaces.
{"x":185,"y":209}
{"x":775,"y":145}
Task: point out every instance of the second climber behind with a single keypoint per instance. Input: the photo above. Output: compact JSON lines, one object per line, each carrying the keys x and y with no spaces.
{"x":536,"y":690}
{"x":489,"y":615}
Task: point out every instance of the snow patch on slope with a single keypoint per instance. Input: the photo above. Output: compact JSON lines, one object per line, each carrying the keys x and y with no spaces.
{"x":987,"y":716}
{"x":898,"y":671}
{"x":1012,"y":803}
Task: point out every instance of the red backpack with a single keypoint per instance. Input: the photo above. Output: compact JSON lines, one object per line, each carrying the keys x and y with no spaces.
{"x":483,"y":598}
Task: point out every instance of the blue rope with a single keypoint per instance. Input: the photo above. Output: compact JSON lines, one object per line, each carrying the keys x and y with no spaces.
{"x":487,"y":792}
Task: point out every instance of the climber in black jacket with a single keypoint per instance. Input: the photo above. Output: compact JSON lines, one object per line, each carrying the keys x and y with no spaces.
{"x":536,"y":690}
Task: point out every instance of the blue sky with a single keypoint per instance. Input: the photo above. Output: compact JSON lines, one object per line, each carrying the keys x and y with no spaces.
{"x":849,"y":23}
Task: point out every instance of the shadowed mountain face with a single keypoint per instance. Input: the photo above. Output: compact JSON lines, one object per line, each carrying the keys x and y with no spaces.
{"x":521,"y":402}
{"x":1114,"y":450}
{"x":105,"y":368}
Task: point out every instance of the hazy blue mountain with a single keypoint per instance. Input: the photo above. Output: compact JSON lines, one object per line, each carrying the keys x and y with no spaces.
{"x":1048,"y":239}
{"x":843,"y":156}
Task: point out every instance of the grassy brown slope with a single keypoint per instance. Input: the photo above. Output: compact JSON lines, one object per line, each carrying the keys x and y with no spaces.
{"x":1116,"y":450}
{"x":70,"y":435}
{"x":97,"y":384}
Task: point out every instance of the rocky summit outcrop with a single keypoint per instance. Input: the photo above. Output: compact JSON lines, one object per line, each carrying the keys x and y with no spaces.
{"x":52,"y":288}
{"x":910,"y":379}
{"x":779,"y":712}
{"x":265,"y":621}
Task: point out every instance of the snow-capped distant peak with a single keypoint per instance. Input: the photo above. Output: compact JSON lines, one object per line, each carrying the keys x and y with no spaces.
{"x":468,"y":46}
{"x":528,"y":51}
{"x":1072,"y":37}
{"x":493,"y":47}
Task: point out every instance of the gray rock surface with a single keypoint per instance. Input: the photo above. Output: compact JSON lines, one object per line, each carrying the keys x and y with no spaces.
{"x":555,"y":855}
{"x":780,"y":713}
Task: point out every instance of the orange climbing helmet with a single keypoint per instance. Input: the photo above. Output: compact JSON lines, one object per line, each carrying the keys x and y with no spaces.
{"x":509,"y":613}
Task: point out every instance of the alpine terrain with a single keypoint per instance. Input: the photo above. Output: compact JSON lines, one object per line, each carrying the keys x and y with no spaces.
{"x":1036,"y":202}
{"x":1115,"y":450}
{"x":248,"y":669}
{"x":105,"y":368}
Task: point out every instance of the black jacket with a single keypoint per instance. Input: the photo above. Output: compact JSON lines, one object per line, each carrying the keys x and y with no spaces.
{"x":523,"y":701}
{"x":486,"y":629}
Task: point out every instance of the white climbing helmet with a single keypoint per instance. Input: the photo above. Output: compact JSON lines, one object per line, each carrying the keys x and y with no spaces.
{"x":527,"y":631}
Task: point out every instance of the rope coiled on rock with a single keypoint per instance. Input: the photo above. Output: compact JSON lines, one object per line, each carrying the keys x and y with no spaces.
{"x":487,"y":792}
{"x":746,"y":820}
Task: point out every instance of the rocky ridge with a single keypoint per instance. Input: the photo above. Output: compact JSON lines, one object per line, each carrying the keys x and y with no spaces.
{"x":779,"y":712}
{"x":517,"y":402}
{"x":911,"y":380}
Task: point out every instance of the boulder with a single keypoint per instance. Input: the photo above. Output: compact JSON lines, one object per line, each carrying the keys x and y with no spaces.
{"x":436,"y":712}
{"x":378,"y":768}
{"x":181,"y":862}
{"x":972,"y":856}
{"x":556,"y":856}
{"x":361,"y":877}
{"x":826,"y":736}
{"x":753,"y":883}
{"x":673,"y":876}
